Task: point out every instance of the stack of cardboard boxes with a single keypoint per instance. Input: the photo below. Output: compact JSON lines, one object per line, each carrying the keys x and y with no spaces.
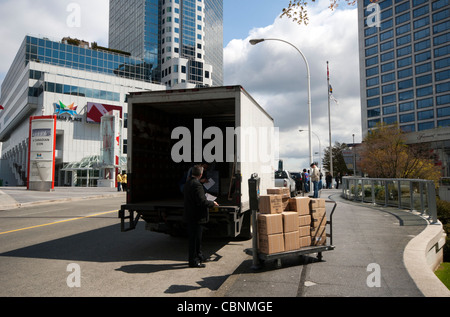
{"x":287,"y":224}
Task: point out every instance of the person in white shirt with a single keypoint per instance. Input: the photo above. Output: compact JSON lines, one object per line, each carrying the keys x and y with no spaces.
{"x":315,"y":176}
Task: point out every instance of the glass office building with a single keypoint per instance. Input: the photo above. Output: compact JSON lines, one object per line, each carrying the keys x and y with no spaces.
{"x":47,"y":76}
{"x":180,"y":40}
{"x":405,"y":63}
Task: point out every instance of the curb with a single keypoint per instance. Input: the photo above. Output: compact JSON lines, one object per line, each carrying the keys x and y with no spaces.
{"x":415,"y":259}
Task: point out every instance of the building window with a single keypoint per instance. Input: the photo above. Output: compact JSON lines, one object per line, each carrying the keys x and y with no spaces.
{"x":438,"y":76}
{"x":409,"y":117}
{"x":373,"y":92}
{"x":389,"y":99}
{"x":423,"y":68}
{"x":425,"y":126}
{"x":388,"y":77}
{"x":424,"y":115}
{"x":387,"y":67}
{"x":404,"y":51}
{"x":423,"y":80}
{"x":442,"y":100}
{"x":373,"y":113}
{"x":373,"y":102}
{"x":406,"y":95}
{"x":425,"y":103}
{"x":421,"y":22}
{"x":388,"y":88}
{"x":405,"y":84}
{"x":443,"y":87}
{"x":443,"y":112}
{"x":425,"y":91}
{"x":372,"y":81}
{"x":405,"y":73}
{"x":406,"y":106}
{"x":408,"y":128}
{"x":390,"y":120}
{"x":389,"y":110}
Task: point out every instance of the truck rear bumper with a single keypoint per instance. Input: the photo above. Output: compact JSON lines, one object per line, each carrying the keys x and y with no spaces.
{"x":224,"y":221}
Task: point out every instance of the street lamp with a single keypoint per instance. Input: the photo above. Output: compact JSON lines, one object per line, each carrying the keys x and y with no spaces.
{"x":256,"y":41}
{"x":320,"y":147}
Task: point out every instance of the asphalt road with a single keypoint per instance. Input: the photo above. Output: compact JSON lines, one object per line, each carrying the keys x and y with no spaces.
{"x":77,"y":249}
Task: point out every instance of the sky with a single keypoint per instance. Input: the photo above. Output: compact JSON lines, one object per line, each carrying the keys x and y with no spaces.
{"x":272,"y":72}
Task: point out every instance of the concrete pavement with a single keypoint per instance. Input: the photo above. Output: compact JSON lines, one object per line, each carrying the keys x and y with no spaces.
{"x":15,"y":197}
{"x":378,"y":252}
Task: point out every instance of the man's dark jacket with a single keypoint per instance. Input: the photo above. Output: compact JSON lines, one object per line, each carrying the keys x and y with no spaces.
{"x":195,"y":203}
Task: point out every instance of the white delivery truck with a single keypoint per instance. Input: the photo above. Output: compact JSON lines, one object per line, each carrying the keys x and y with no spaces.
{"x":170,"y":131}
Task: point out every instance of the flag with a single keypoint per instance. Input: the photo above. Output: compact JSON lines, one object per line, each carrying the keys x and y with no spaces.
{"x":330,"y":89}
{"x":334,"y":99}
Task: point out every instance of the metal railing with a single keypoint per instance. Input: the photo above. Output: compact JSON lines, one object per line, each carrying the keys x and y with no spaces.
{"x":413,"y":194}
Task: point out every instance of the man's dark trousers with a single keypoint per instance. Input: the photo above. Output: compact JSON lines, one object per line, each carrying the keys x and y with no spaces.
{"x":195,"y":231}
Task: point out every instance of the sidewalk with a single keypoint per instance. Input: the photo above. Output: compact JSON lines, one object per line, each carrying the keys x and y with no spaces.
{"x":371,"y":245}
{"x":14,"y":197}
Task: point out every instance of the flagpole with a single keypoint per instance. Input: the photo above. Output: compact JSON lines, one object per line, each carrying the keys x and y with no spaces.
{"x":329,"y":123}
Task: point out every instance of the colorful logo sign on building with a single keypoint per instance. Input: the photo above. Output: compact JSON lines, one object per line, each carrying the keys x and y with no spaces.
{"x":62,"y":108}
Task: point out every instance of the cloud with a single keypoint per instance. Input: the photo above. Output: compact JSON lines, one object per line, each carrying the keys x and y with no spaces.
{"x":19,"y":18}
{"x":274,"y":73}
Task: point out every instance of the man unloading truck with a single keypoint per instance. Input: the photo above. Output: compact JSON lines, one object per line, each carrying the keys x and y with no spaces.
{"x":196,"y":209}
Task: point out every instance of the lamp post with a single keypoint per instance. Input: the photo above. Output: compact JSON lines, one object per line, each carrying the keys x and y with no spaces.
{"x":320,"y":147}
{"x":256,"y":41}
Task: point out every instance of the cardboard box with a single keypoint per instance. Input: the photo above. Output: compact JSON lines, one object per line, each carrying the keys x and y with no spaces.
{"x":300,"y":205}
{"x":304,"y":241}
{"x":284,"y":191}
{"x":317,"y":212}
{"x":304,"y":231}
{"x":318,"y":235}
{"x":290,"y":221}
{"x":319,"y":222}
{"x":270,"y":204}
{"x":291,"y":241}
{"x":272,"y":243}
{"x":316,"y":202}
{"x":270,"y":223}
{"x":318,"y":217}
{"x":304,"y":220}
{"x":285,"y":203}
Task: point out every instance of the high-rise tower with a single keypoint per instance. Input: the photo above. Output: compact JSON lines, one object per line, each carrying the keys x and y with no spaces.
{"x":181,"y":41}
{"x":405,"y":63}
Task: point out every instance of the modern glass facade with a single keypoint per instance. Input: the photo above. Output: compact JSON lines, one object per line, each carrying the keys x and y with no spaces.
{"x":214,"y":39}
{"x":134,"y":27}
{"x":405,"y":64}
{"x":84,"y":58}
{"x":181,"y":40}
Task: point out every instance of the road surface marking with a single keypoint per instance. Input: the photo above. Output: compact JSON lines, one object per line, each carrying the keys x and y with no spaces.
{"x":57,"y":222}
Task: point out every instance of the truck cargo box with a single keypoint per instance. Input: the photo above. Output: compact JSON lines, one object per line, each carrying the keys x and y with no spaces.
{"x":170,"y":131}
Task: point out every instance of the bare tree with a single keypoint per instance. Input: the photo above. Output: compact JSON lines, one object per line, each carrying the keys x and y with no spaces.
{"x":297,"y":9}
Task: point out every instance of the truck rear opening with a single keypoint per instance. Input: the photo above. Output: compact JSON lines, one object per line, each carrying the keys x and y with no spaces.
{"x":169,"y":132}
